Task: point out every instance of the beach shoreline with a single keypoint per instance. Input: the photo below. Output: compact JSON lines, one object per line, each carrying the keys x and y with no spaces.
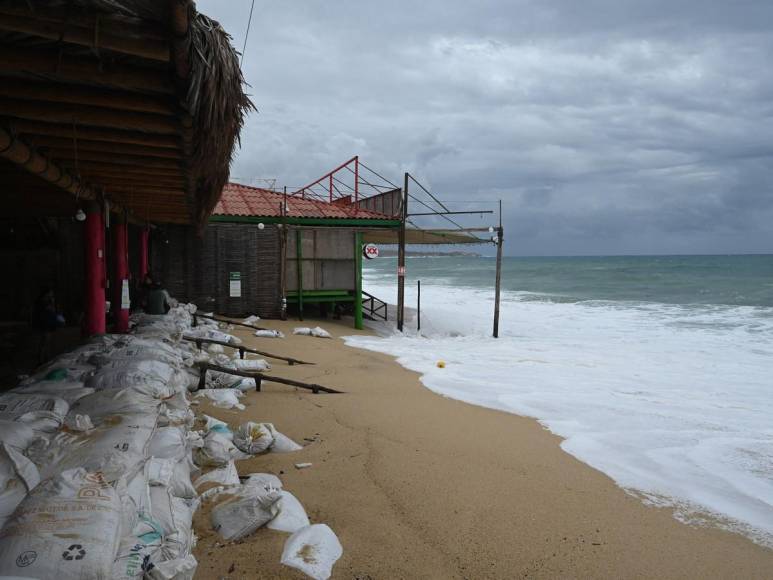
{"x":417,"y":485}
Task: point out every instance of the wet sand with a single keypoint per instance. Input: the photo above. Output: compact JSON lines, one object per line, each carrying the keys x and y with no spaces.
{"x":417,"y":485}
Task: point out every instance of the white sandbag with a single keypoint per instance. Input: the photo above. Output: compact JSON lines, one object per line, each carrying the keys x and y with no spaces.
{"x":282,"y":443}
{"x":104,"y":405}
{"x":218,"y":426}
{"x":159,"y":471}
{"x":137,"y":352}
{"x":241,"y":512}
{"x":178,"y":569}
{"x":269,"y":334}
{"x":140,"y":551}
{"x":78,"y":423}
{"x":149,"y":377}
{"x":115,"y":448}
{"x":168,"y":443}
{"x":251,"y":319}
{"x":253,"y":437}
{"x":264,"y":480}
{"x":68,"y":528}
{"x":318,"y":331}
{"x":73,"y":370}
{"x":216,"y":452}
{"x":175,"y":515}
{"x":41,"y":412}
{"x":291,"y":517}
{"x":222,"y":475}
{"x":180,"y":484}
{"x":313,"y":550}
{"x":223,"y":398}
{"x":18,"y":476}
{"x":16,"y":434}
{"x":246,"y":384}
{"x":215,"y":349}
{"x":251,"y":364}
{"x":68,"y":390}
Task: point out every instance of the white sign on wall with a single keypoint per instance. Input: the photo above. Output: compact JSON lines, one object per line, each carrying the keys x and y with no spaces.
{"x":370,"y":251}
{"x":235,"y":284}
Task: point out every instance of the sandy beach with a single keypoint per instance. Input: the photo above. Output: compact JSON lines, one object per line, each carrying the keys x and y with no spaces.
{"x":416,"y":485}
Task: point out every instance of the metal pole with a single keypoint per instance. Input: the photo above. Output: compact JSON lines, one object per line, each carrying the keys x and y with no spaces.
{"x":418,"y":305}
{"x":401,"y":260}
{"x":500,"y":241}
{"x":358,"y":281}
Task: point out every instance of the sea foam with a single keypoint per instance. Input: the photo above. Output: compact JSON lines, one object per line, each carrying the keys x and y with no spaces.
{"x":675,"y":403}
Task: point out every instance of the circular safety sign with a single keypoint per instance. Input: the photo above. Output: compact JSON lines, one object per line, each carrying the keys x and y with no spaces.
{"x":370,"y":251}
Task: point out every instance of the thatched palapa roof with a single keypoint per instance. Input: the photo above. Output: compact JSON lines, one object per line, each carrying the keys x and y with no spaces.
{"x":139,"y":101}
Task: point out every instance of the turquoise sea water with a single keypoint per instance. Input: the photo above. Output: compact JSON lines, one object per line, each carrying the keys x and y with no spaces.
{"x":721,"y":280}
{"x":656,"y":370}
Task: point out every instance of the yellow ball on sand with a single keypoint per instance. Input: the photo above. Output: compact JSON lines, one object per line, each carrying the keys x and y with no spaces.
{"x":441,"y":364}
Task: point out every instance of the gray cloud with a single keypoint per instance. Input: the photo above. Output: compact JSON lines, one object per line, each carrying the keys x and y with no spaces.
{"x":606,"y":126}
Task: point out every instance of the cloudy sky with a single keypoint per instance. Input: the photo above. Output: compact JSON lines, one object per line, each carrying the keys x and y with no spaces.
{"x":605,"y":126}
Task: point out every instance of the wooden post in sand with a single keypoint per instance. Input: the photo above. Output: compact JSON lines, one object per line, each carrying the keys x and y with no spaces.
{"x":401,"y":259}
{"x":500,"y":241}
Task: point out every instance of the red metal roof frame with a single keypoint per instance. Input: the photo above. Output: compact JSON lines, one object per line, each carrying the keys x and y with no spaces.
{"x":247,"y":201}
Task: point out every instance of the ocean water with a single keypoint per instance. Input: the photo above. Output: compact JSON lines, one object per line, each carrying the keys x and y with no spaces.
{"x":657,"y":371}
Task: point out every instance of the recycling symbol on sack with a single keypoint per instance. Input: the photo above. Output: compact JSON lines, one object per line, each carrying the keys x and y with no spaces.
{"x":74,"y":552}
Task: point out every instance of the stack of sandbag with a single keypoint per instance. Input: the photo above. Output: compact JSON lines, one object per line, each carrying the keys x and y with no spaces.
{"x":96,"y":454}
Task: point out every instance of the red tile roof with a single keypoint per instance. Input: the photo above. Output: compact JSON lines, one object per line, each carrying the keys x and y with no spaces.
{"x":244,"y":200}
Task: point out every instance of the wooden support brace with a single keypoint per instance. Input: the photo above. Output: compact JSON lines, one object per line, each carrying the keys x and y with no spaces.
{"x":259,"y":377}
{"x":290,"y":361}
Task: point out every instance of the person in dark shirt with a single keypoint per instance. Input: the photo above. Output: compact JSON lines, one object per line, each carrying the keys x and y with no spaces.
{"x":158,"y":300}
{"x":46,"y":320}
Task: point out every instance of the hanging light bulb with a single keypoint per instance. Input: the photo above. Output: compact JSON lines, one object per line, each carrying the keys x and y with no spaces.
{"x":491,"y":229}
{"x":80,"y":215}
{"x":261,"y":225}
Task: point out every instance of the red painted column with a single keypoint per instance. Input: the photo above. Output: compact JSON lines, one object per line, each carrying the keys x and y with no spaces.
{"x":94,"y":271}
{"x":144,"y":234}
{"x":120,"y":283}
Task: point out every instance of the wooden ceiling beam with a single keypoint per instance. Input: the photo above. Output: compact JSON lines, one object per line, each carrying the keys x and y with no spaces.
{"x":18,"y":88}
{"x":42,"y":141}
{"x":85,"y":70}
{"x":87,"y":167}
{"x":92,"y":37}
{"x":77,"y":115}
{"x":24,"y":127}
{"x":69,"y":156}
{"x":117,"y":24}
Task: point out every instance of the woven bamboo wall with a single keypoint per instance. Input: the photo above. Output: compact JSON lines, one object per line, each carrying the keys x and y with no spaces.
{"x":198,"y":269}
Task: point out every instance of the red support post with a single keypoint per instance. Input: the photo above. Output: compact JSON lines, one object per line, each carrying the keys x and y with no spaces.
{"x":94,"y":270}
{"x":120,"y":285}
{"x":144,"y":235}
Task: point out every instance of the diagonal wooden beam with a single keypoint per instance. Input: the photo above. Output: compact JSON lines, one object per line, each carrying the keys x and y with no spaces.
{"x":58,"y":143}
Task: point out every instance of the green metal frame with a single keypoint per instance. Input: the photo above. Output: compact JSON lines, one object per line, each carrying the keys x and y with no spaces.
{"x":300,"y":296}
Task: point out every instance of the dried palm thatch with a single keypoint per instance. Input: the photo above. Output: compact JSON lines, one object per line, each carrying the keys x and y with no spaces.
{"x":201,"y":77}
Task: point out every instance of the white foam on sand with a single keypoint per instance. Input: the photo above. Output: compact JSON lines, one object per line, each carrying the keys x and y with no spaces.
{"x":672,"y":402}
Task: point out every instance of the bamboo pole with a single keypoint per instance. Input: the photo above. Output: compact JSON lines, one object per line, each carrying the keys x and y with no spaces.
{"x":25,"y":127}
{"x":64,"y":31}
{"x":242,"y":349}
{"x":77,"y":95}
{"x":259,"y":377}
{"x":85,"y":70}
{"x":50,"y":112}
{"x":66,"y":145}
